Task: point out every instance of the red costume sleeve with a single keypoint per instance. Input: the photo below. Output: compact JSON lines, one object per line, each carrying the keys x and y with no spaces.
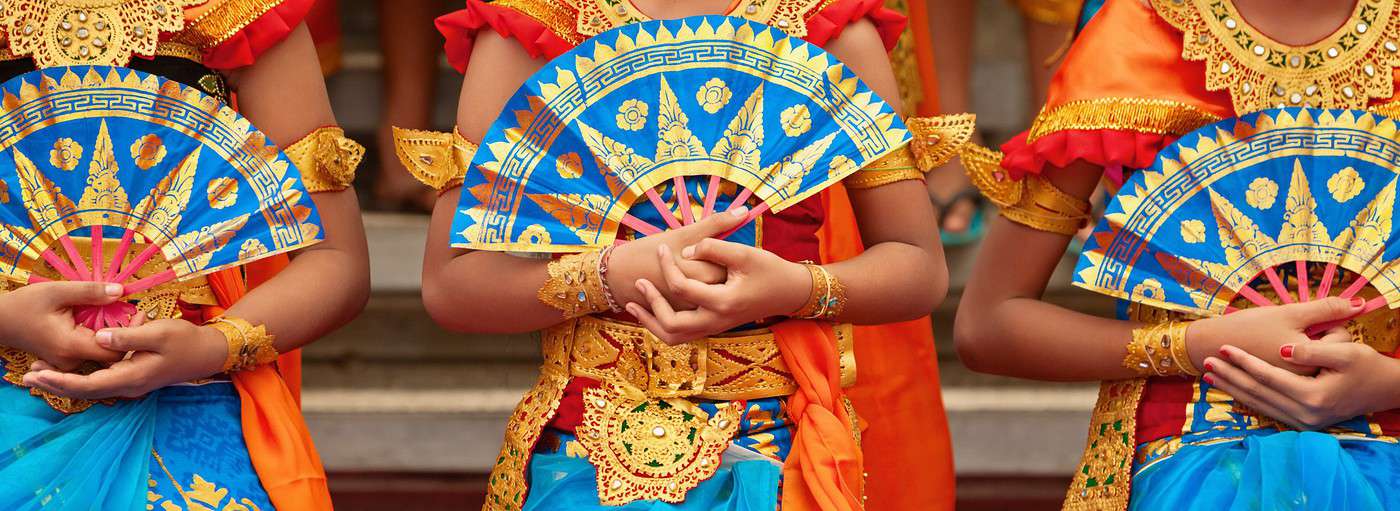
{"x":233,"y":33}
{"x":539,"y":40}
{"x":827,"y":24}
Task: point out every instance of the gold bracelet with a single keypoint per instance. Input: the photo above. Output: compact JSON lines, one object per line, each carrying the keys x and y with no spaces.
{"x":828,"y":298}
{"x":1159,"y":349}
{"x":326,"y":158}
{"x":249,"y":346}
{"x":575,"y":285}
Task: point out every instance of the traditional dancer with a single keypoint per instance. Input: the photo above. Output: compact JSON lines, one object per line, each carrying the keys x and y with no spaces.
{"x":1201,"y":407}
{"x":177,"y":386}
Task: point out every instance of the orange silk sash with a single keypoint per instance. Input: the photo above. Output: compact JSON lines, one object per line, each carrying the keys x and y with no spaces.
{"x":824,"y":471}
{"x":279,"y":444}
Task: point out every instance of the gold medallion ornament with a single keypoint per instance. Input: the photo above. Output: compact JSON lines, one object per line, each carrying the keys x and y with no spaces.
{"x":93,"y":32}
{"x":1346,"y":69}
{"x":652,"y":449}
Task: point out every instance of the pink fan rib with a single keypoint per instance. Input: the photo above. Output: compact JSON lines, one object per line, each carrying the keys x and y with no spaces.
{"x":136,"y":264}
{"x":741,"y":200}
{"x":683,"y":200}
{"x":123,"y":249}
{"x":97,"y":255}
{"x":711,"y":194}
{"x":1325,"y":287}
{"x":35,"y":278}
{"x":86,"y":316}
{"x":1253,"y":296}
{"x":1304,"y":294}
{"x":60,"y":266}
{"x":660,"y":205}
{"x":74,"y":257}
{"x":753,"y":214}
{"x":150,"y":282}
{"x":1355,"y":287}
{"x":640,"y":225}
{"x":1371,"y":305}
{"x":1277,"y":284}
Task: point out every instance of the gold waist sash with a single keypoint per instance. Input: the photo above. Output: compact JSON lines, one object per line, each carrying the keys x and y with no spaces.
{"x":743,"y":365}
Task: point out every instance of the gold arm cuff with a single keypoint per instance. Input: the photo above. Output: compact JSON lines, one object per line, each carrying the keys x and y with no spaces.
{"x":326,"y":158}
{"x":938,"y":138}
{"x":435,"y":158}
{"x":891,"y":168}
{"x":1034,"y":202}
{"x":1159,"y":349}
{"x":249,"y":346}
{"x":575,"y":285}
{"x":1156,"y":116}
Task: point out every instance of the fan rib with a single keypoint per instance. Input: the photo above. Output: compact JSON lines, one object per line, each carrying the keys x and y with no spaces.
{"x":753,"y":214}
{"x":1325,"y":287}
{"x":59,"y":265}
{"x":1355,"y":287}
{"x":1277,"y":283}
{"x":96,"y":253}
{"x":711,"y":195}
{"x":123,"y":250}
{"x":1253,"y":296}
{"x":1304,"y":294}
{"x":666,"y":213}
{"x":640,"y":225}
{"x":74,"y":257}
{"x":741,"y":200}
{"x":683,"y":200}
{"x":150,"y":282}
{"x":136,"y":264}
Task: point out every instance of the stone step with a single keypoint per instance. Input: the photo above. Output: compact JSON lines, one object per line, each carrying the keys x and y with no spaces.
{"x":1024,"y":430}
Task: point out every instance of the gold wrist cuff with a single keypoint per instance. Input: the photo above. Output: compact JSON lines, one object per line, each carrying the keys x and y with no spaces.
{"x":437,"y":159}
{"x":575,"y":285}
{"x":828,"y":297}
{"x":1159,"y":349}
{"x":1034,"y":201}
{"x":249,"y":346}
{"x":326,"y":158}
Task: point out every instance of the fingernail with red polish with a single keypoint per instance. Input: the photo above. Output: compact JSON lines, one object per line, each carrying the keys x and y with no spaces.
{"x":1225,"y":354}
{"x":1209,"y":378}
{"x":1209,"y":366}
{"x":1286,"y":351}
{"x":1357,"y":301}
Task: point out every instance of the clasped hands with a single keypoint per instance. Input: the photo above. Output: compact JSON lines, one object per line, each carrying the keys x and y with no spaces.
{"x":1264,"y":359}
{"x":138,"y":359}
{"x":687,"y":284}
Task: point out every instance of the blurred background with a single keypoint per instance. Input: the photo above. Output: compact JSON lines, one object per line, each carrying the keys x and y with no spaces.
{"x":409,"y":417}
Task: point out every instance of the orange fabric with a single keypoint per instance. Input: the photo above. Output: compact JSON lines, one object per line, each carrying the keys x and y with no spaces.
{"x":923,"y":54}
{"x":824,"y":470}
{"x":279,"y":444}
{"x":908,"y":451}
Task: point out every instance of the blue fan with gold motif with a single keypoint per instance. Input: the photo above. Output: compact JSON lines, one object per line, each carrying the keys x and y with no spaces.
{"x":113,"y":175}
{"x":1274,"y":207}
{"x":653,"y":125}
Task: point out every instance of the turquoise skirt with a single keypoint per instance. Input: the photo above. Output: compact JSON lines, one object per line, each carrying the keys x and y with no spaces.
{"x":179,"y":448}
{"x":1273,"y":471}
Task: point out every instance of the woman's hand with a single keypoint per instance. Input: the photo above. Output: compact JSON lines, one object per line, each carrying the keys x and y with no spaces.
{"x":164,"y":352}
{"x":38,"y":319}
{"x":1353,"y":380}
{"x":1261,"y":331}
{"x":758,"y":285}
{"x":636,"y":260}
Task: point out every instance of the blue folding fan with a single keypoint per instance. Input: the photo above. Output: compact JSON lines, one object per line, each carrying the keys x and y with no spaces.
{"x":1280,"y":201}
{"x":103,"y":169}
{"x":606,"y":135}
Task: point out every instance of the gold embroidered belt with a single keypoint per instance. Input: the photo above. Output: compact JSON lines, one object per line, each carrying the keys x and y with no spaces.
{"x":744,"y":365}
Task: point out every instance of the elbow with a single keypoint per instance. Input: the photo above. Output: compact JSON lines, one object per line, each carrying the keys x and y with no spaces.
{"x":975,"y":345}
{"x":438,"y":302}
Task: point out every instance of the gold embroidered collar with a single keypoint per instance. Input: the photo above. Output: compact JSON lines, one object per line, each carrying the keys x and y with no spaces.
{"x":1346,"y":69}
{"x":790,"y":16}
{"x":94,"y":32}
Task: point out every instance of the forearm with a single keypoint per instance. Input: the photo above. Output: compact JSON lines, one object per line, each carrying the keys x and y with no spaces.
{"x":1029,"y":338}
{"x":489,"y":292}
{"x":890,"y":282}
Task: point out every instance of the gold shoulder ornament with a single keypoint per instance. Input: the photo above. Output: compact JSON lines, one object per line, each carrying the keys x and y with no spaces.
{"x":326,"y":158}
{"x":87,"y":32}
{"x":1346,"y":69}
{"x":1034,"y":202}
{"x":435,"y":158}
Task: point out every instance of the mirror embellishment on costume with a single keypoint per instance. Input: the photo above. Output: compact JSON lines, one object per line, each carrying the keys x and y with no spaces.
{"x":83,"y":32}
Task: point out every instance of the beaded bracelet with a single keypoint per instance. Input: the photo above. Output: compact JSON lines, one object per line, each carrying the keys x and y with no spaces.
{"x":828,"y":298}
{"x":1159,"y":349}
{"x":248,"y":346}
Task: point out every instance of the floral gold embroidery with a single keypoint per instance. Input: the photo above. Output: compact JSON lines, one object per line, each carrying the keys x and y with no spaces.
{"x":632,"y":115}
{"x":569,"y":166}
{"x":713,"y":95}
{"x":65,"y":154}
{"x":1156,"y":116}
{"x":1344,"y":70}
{"x":76,"y":32}
{"x":201,"y":495}
{"x":1193,"y":231}
{"x":1261,"y":193}
{"x":252,"y":248}
{"x":1345,"y":185}
{"x":1150,"y":289}
{"x":148,"y":151}
{"x":535,"y":234}
{"x":223,"y":192}
{"x":796,"y":120}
